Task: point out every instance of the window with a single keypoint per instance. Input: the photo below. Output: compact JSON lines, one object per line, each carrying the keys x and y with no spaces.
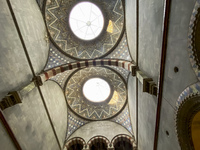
{"x":96,"y":90}
{"x":86,"y":20}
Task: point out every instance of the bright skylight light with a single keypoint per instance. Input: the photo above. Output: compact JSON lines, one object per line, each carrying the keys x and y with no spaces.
{"x":86,"y":20}
{"x":96,"y":90}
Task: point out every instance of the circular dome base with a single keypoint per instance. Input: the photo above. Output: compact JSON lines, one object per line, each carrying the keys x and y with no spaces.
{"x":112,"y":102}
{"x":96,"y":90}
{"x":86,"y":20}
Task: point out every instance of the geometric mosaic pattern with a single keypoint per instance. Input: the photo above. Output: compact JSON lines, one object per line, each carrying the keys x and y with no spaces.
{"x":57,"y":16}
{"x":62,"y":77}
{"x":123,"y":72}
{"x":74,"y":123}
{"x":124,"y":119}
{"x":95,"y":111}
{"x":189,"y":91}
{"x":191,"y":46}
{"x":121,"y":51}
{"x":56,"y":58}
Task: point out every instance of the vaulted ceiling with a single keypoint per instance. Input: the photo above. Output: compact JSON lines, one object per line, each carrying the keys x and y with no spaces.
{"x":48,"y":65}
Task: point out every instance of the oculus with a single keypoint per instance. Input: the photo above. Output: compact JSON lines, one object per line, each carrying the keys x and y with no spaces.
{"x":96,"y":90}
{"x":86,"y":20}
{"x":96,"y":93}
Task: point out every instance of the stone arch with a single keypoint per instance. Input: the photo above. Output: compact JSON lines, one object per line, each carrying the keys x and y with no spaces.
{"x":88,"y":63}
{"x":76,"y":140}
{"x":193,"y":39}
{"x":123,"y":137}
{"x":185,"y":113}
{"x":98,"y":139}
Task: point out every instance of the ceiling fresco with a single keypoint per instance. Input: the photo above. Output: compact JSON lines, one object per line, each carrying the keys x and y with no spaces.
{"x":56,"y":58}
{"x":121,"y":51}
{"x":90,"y":110}
{"x":57,"y":20}
{"x":66,"y":47}
{"x":75,"y":122}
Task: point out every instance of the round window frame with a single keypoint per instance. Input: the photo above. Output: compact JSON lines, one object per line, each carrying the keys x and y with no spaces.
{"x":104,"y":21}
{"x":107,"y":100}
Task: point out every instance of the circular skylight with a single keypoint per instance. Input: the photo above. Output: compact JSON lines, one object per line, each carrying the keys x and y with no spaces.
{"x":96,"y":90}
{"x":86,"y":20}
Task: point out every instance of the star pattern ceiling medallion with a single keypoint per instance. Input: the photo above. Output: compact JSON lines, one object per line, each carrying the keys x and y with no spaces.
{"x":57,"y":17}
{"x":87,"y":109}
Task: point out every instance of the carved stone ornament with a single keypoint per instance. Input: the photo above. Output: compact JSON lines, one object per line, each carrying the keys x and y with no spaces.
{"x":185,"y":114}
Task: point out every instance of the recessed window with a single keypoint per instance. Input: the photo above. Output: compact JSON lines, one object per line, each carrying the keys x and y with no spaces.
{"x":96,"y":90}
{"x":86,"y":20}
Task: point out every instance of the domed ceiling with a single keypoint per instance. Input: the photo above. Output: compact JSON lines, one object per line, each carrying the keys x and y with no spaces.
{"x":83,"y":40}
{"x":75,"y":34}
{"x":79,"y":102}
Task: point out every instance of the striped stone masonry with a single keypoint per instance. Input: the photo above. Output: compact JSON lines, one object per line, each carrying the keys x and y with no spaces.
{"x":88,"y":63}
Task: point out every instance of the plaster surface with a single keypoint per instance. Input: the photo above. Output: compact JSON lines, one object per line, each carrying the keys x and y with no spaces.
{"x":104,"y":128}
{"x":167,"y":124}
{"x":5,"y":140}
{"x":57,"y":107}
{"x":132,"y":101}
{"x":33,"y":29}
{"x":130,"y":13}
{"x":150,"y":37}
{"x":30,"y":123}
{"x":177,"y":54}
{"x":14,"y":68}
{"x":147,"y":106}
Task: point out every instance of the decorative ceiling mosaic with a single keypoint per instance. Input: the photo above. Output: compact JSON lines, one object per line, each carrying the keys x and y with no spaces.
{"x":57,"y":20}
{"x":90,"y":110}
{"x":123,"y":72}
{"x":121,"y":51}
{"x":74,"y":122}
{"x":193,"y":39}
{"x":56,"y":58}
{"x":124,"y":119}
{"x":62,"y":77}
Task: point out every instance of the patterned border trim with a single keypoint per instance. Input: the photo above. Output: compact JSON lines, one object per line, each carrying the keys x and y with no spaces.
{"x":96,"y":139}
{"x":76,"y":140}
{"x":186,"y":107}
{"x":184,"y":116}
{"x":190,"y":41}
{"x":191,"y":90}
{"x":123,"y":137}
{"x":82,"y":64}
